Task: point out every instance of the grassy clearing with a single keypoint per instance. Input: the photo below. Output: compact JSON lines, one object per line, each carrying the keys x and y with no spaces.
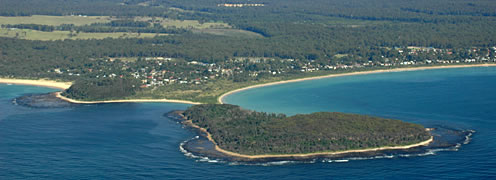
{"x":61,"y":35}
{"x":229,"y":32}
{"x":186,"y":11}
{"x":54,"y":20}
{"x":340,"y":55}
{"x":214,"y":28}
{"x":127,"y":59}
{"x":134,"y":59}
{"x":208,"y":92}
{"x":191,"y":24}
{"x":80,"y":20}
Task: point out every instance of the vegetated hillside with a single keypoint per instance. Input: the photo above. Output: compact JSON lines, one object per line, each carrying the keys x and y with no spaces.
{"x":255,"y":133}
{"x":226,"y":44}
{"x":107,"y":89}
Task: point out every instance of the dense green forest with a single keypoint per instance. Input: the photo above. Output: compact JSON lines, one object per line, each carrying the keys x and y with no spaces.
{"x":255,"y":133}
{"x":114,"y":26}
{"x":290,"y":38}
{"x":102,"y":89}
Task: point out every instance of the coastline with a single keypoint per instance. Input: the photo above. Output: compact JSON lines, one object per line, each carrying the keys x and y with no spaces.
{"x":67,"y":85}
{"x":233,"y":154}
{"x":58,"y":95}
{"x":41,"y":82}
{"x":220,"y":99}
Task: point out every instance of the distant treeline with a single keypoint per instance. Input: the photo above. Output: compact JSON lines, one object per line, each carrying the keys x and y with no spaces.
{"x":37,"y":27}
{"x":315,"y":31}
{"x":298,"y":42}
{"x":86,"y":7}
{"x":113,"y":26}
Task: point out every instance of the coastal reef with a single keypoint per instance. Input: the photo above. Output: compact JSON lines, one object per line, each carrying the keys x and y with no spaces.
{"x":248,"y":134}
{"x":47,"y":100}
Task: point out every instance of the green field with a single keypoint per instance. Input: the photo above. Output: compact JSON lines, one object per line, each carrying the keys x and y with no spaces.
{"x":191,"y":24}
{"x":61,"y":35}
{"x":81,"y":20}
{"x":227,"y":32}
{"x":214,"y":28}
{"x":54,"y":20}
{"x":340,"y":55}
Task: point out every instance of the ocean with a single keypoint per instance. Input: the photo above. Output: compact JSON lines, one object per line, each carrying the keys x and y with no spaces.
{"x":135,"y":140}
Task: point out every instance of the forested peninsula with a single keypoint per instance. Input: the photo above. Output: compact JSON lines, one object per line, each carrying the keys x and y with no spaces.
{"x":247,"y":133}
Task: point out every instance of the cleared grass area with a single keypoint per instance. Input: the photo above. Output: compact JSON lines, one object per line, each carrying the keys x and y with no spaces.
{"x":61,"y":35}
{"x":229,"y":32}
{"x":81,"y":20}
{"x":127,"y":59}
{"x":340,"y":55}
{"x":191,"y":24}
{"x":214,"y":28}
{"x":54,"y":20}
{"x":134,"y":59}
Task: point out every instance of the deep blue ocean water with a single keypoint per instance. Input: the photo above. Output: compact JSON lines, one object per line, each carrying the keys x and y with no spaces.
{"x":134,"y":140}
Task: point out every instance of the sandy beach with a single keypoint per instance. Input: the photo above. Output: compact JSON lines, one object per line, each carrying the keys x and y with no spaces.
{"x":221,"y":98}
{"x":217,"y":148}
{"x":66,"y":85}
{"x":41,"y":82}
{"x":58,"y":95}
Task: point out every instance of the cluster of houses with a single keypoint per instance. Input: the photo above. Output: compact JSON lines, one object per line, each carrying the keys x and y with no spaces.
{"x":240,"y":5}
{"x":161,"y":71}
{"x":68,"y":72}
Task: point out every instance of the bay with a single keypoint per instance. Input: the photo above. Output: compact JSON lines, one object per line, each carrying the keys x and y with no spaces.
{"x":135,"y":140}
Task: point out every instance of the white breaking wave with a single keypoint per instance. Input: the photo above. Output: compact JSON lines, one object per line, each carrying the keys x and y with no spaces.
{"x":428,"y":152}
{"x":467,"y":137}
{"x":191,"y":155}
{"x":277,"y":163}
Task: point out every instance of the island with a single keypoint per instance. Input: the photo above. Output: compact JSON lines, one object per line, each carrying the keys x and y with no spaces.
{"x":249,"y":134}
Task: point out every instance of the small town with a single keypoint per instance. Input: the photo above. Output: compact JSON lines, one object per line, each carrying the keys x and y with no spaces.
{"x":162,"y":71}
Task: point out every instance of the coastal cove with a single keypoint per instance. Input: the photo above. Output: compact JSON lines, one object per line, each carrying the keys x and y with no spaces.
{"x":62,"y":85}
{"x":220,"y":99}
{"x":247,"y":90}
{"x":137,"y":134}
{"x":66,"y":85}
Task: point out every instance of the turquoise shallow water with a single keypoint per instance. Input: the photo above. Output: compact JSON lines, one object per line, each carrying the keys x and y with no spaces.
{"x":134,"y":140}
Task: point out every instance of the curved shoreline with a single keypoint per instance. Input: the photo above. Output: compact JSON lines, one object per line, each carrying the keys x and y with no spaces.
{"x":58,"y":95}
{"x":220,"y":99}
{"x":41,"y":82}
{"x":233,"y":154}
{"x":67,"y":85}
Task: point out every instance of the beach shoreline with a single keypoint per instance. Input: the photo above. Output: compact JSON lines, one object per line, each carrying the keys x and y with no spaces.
{"x":40,"y":82}
{"x":59,"y":95}
{"x":305,"y":155}
{"x":67,"y":85}
{"x":220,"y":99}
